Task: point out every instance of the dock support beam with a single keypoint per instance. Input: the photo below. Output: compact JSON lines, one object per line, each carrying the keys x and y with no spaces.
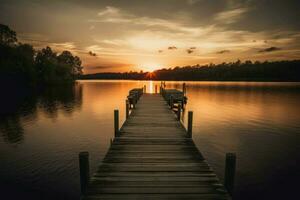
{"x":84,"y":169}
{"x":190,"y":124}
{"x":183,"y":89}
{"x":116,"y":122}
{"x":127,"y":109}
{"x":229,"y":172}
{"x":155,"y":89}
{"x":179,"y":112}
{"x":144,"y":88}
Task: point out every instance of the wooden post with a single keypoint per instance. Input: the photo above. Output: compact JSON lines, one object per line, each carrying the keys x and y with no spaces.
{"x":183,"y":89}
{"x":179,"y":112}
{"x":133,"y":102}
{"x":155,"y":89}
{"x":229,"y":172}
{"x":171,"y":102}
{"x":127,"y":109}
{"x":190,"y":124}
{"x":84,"y":169}
{"x":116,"y":122}
{"x":144,"y":88}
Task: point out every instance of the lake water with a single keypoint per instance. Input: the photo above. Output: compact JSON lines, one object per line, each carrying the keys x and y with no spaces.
{"x":42,"y":132}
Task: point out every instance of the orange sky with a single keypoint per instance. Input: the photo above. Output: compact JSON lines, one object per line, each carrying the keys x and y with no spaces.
{"x":111,"y":36}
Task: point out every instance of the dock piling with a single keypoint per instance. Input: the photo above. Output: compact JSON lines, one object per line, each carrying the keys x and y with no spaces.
{"x":116,"y":122}
{"x":171,"y":102}
{"x":155,"y":89}
{"x":84,"y":169}
{"x":144,"y":88}
{"x":230,"y":163}
{"x":179,"y":112}
{"x":133,"y":102}
{"x":127,"y":108}
{"x":190,"y":124}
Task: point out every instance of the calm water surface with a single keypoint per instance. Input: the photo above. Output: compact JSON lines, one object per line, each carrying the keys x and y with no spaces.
{"x":42,"y":132}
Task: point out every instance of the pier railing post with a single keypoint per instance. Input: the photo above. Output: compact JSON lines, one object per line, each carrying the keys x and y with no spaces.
{"x":116,"y":122}
{"x":190,"y":124}
{"x":229,"y":172}
{"x":171,"y":102}
{"x":155,"y":89}
{"x":127,"y":109}
{"x":84,"y":169}
{"x":144,"y":88}
{"x":179,"y":112}
{"x":133,"y":101}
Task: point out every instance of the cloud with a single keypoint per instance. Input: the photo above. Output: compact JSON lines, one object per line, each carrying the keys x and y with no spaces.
{"x":223,"y":51}
{"x":270,"y":49}
{"x":118,"y":16}
{"x":99,"y":67}
{"x":92,"y":27}
{"x":94,"y":48}
{"x":192,"y":2}
{"x":230,"y":16}
{"x":92,"y":54}
{"x":172,"y":48}
{"x":109,"y":10}
{"x":189,"y":51}
{"x":160,"y":51}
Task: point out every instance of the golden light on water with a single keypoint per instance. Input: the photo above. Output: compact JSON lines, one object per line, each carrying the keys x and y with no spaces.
{"x":151,"y":87}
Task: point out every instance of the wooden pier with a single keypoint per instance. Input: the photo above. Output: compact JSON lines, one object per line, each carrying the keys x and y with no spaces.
{"x":153,"y":157}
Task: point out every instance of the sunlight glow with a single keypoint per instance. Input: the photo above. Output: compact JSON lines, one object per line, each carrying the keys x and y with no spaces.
{"x":150,"y":67}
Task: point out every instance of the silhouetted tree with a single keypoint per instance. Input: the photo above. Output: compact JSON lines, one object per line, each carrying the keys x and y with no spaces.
{"x":20,"y":62}
{"x":7,"y":36}
{"x":233,"y":71}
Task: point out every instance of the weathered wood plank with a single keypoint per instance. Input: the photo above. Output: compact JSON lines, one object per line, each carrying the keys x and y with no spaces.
{"x":157,"y":196}
{"x":153,"y":158}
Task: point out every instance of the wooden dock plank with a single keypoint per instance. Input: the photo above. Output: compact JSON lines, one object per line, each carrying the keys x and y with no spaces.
{"x":154,"y":159}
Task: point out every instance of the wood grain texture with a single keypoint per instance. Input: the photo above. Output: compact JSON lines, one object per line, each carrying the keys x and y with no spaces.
{"x":153,"y":158}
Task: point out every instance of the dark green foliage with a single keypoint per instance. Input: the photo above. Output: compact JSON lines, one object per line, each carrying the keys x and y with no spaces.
{"x":234,"y":71}
{"x":20,"y":62}
{"x":7,"y":36}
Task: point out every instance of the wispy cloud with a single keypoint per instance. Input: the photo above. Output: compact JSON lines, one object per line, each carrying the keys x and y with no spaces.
{"x":148,"y":36}
{"x":109,"y":10}
{"x":231,"y":16}
{"x":223,"y":51}
{"x":92,"y":53}
{"x":189,"y":51}
{"x":192,"y":2}
{"x":172,"y":48}
{"x":270,"y":49}
{"x":99,"y":67}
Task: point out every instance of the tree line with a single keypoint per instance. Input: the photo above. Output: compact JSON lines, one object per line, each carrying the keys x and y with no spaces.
{"x":22,"y":63}
{"x":288,"y":70}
